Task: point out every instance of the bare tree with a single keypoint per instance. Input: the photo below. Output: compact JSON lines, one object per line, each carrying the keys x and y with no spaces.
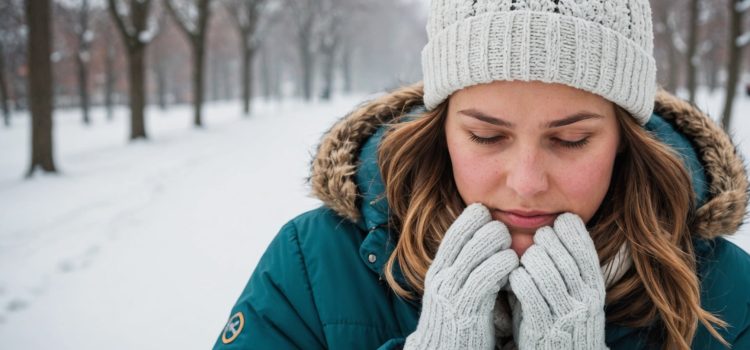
{"x":246,"y":15}
{"x":110,"y":76}
{"x":338,"y":17}
{"x":4,"y":89}
{"x":271,"y":66}
{"x":11,"y":18}
{"x":330,"y":39}
{"x":278,"y":51}
{"x":169,"y":63}
{"x":134,"y":29}
{"x":84,"y":36}
{"x":159,"y":69}
{"x":692,"y":49}
{"x":346,"y":64}
{"x":669,"y":44}
{"x":710,"y":50}
{"x":192,"y":20}
{"x":305,"y":16}
{"x":737,"y":41}
{"x":38,"y":15}
{"x":159,"y":65}
{"x":223,"y":55}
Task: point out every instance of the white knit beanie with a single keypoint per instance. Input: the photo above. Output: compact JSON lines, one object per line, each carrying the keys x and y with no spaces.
{"x":601,"y":46}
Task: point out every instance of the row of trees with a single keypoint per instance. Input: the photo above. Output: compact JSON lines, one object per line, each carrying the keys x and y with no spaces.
{"x":701,"y":42}
{"x":299,"y":47}
{"x":176,"y":51}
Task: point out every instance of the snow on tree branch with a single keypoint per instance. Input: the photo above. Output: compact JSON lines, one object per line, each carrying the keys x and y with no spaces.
{"x":186,"y":17}
{"x":153,"y":27}
{"x":743,"y":40}
{"x":742,"y":6}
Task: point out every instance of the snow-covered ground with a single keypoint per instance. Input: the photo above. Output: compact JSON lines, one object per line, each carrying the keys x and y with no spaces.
{"x":148,"y":245}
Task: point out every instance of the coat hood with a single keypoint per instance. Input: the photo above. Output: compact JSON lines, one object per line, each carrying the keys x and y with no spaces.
{"x":345,"y":176}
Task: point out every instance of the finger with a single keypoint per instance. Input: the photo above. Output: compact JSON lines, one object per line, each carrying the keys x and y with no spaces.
{"x":486,"y":242}
{"x":548,"y":280}
{"x":575,"y":237}
{"x":546,"y":238}
{"x":470,"y":220}
{"x":492,"y":273}
{"x":505,"y":239}
{"x":536,"y":313}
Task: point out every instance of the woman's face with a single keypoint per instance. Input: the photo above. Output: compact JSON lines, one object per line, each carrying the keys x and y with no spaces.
{"x":530,"y":151}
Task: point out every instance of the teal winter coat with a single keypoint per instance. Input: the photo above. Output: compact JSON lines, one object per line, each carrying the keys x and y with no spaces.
{"x":319,"y":284}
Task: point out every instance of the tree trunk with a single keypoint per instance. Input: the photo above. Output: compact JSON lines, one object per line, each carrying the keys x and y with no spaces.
{"x":307,"y":69}
{"x":277,"y":80}
{"x":226,"y":80}
{"x":82,"y":59}
{"x":4,"y":90}
{"x":83,"y":93}
{"x":136,"y":49}
{"x":136,"y":64}
{"x":161,"y":86}
{"x":214,"y":77}
{"x":247,"y":71}
{"x":198,"y":56}
{"x":197,"y":39}
{"x":330,"y":54}
{"x":40,"y":85}
{"x":265,"y":72}
{"x":673,"y":70}
{"x":712,"y":75}
{"x":692,"y":58}
{"x":109,"y":79}
{"x":347,"y":68}
{"x":733,"y":64}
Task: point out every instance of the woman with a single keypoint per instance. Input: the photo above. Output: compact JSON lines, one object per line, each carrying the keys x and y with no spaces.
{"x":535,"y":193}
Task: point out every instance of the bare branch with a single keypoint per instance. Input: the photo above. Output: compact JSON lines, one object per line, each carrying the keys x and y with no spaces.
{"x":178,"y":19}
{"x":119,"y":22}
{"x":233,"y":9}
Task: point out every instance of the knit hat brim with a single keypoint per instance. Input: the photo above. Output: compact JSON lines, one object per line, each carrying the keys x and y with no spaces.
{"x":539,"y":46}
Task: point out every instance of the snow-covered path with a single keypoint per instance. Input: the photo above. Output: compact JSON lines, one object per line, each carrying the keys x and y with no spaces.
{"x":148,"y":245}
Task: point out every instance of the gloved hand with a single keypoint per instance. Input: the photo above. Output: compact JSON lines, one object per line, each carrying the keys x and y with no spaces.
{"x":471,"y":265}
{"x":560,"y":287}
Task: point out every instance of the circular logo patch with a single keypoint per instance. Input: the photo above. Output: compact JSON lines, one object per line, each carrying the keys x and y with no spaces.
{"x":233,"y":328}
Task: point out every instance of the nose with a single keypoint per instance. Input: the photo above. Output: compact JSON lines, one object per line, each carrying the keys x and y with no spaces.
{"x":527,"y":173}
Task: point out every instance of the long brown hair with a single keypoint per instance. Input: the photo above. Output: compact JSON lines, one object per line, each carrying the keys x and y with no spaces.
{"x":649,"y":209}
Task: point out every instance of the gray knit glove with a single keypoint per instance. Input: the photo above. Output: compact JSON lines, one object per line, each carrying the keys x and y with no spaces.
{"x":560,"y":288}
{"x":471,"y":265}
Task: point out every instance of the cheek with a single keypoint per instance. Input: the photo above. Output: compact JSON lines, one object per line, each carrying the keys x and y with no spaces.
{"x":475,"y":175}
{"x":585,"y":188}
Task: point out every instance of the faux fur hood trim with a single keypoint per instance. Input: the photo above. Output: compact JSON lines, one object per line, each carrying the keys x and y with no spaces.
{"x":334,"y":167}
{"x":726,"y":205}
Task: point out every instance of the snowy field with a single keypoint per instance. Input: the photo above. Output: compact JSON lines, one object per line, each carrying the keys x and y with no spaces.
{"x":148,"y":245}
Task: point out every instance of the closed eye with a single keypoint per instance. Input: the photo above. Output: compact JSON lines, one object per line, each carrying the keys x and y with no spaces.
{"x":485,"y":140}
{"x":573,"y":144}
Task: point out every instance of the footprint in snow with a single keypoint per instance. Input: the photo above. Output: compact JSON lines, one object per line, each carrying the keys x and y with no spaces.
{"x":16,"y":304}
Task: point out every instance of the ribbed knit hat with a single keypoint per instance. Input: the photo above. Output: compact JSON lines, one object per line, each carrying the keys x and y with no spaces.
{"x":601,"y":46}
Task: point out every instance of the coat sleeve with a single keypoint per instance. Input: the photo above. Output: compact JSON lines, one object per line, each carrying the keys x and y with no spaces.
{"x":276,"y":310}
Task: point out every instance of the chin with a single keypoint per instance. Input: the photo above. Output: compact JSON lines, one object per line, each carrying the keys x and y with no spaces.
{"x":520,"y":241}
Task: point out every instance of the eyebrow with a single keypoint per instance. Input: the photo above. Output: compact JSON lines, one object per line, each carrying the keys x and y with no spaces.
{"x":574,"y":118}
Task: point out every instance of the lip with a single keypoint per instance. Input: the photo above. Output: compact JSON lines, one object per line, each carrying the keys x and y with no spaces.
{"x":526,"y":219}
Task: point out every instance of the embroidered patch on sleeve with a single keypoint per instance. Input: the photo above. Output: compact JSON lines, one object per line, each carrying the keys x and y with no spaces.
{"x":233,"y":328}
